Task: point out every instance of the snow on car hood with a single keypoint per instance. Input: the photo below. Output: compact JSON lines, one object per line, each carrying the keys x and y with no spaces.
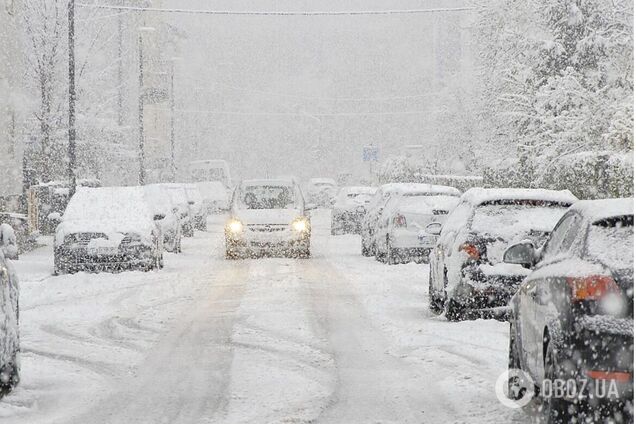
{"x":267,"y":216}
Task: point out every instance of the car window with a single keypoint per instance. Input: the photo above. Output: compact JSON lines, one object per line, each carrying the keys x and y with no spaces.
{"x":267,"y":197}
{"x":457,"y":219}
{"x":561,"y":237}
{"x":612,"y":241}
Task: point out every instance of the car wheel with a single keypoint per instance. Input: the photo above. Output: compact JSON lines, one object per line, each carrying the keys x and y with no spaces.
{"x":433,"y":302}
{"x":58,"y":266}
{"x":516,"y":390}
{"x":454,"y":311}
{"x":555,"y":409}
{"x":9,"y":376}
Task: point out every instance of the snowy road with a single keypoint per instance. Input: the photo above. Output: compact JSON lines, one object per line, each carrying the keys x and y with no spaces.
{"x":337,"y":338}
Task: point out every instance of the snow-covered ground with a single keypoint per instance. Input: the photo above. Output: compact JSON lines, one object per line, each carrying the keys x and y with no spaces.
{"x":337,"y":338}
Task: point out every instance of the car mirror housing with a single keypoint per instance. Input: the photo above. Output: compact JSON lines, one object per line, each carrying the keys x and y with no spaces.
{"x":523,"y":253}
{"x":434,"y":228}
{"x":158,"y":217}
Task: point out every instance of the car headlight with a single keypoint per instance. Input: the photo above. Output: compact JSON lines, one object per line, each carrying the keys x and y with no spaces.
{"x":301,"y":225}
{"x":235,"y":226}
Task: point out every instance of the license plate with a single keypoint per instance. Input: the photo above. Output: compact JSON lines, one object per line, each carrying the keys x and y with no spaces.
{"x":103,"y":251}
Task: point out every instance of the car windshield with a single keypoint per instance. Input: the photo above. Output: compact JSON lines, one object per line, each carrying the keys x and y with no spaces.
{"x":267,"y":197}
{"x":612,"y":241}
{"x":511,"y":220}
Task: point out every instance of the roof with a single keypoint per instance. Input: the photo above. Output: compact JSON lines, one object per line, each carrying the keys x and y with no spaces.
{"x":419,"y":188}
{"x":268,"y":182}
{"x":359,"y":189}
{"x":477,"y":196}
{"x":599,"y":209}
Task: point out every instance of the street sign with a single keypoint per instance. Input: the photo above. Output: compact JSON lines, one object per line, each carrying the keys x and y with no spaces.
{"x":370,"y":153}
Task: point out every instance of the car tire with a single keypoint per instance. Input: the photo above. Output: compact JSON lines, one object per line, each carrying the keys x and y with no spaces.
{"x":58,"y":267}
{"x":433,"y":302}
{"x":515,"y":391}
{"x":454,"y":311}
{"x":13,"y":377}
{"x":555,"y":410}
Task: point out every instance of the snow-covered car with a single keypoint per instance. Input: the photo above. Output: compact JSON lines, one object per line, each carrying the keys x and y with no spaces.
{"x":400,"y":234}
{"x":349,"y":209}
{"x":9,"y":328}
{"x":8,"y":242}
{"x":322,"y":191}
{"x":215,"y":196}
{"x":166,"y":214}
{"x":375,"y":208}
{"x":268,"y":216}
{"x":179,"y":198}
{"x":197,"y":208}
{"x":26,"y":238}
{"x":572,"y":318}
{"x":109,"y":228}
{"x":467,"y":274}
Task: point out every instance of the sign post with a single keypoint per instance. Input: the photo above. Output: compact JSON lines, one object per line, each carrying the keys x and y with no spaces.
{"x":370,"y":154}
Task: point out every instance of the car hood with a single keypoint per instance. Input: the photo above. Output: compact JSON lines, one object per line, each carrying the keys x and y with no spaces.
{"x":267,"y":216}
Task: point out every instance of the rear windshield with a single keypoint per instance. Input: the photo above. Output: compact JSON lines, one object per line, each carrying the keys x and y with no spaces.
{"x":267,"y":197}
{"x":510,"y":220}
{"x":612,"y":241}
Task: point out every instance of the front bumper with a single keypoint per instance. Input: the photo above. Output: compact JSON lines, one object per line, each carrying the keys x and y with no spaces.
{"x":75,"y":259}
{"x":267,"y":238}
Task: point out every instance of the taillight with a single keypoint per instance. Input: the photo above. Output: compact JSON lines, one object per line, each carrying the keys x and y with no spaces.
{"x":471,"y":250}
{"x":399,"y":220}
{"x":593,"y":287}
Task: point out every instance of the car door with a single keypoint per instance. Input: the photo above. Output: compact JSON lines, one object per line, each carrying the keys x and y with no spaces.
{"x":443,"y":249}
{"x":536,"y":306}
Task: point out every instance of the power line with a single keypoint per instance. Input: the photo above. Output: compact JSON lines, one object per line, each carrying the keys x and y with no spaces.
{"x":278,"y":13}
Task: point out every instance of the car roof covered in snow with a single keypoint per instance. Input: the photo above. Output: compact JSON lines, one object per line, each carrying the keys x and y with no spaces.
{"x":358,"y":190}
{"x":478,"y":196}
{"x":600,"y":209}
{"x":419,"y":188}
{"x":268,"y":182}
{"x":107,"y":209}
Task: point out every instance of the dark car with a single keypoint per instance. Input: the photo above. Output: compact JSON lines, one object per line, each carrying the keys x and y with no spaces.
{"x":9,"y":329}
{"x":467,"y":275}
{"x":572,"y":319}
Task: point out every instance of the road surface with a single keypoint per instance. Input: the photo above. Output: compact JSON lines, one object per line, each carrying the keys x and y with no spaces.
{"x":337,"y":338}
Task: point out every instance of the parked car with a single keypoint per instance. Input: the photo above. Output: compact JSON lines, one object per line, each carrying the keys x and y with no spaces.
{"x":572,"y":318}
{"x":25,"y":238}
{"x":322,"y":191}
{"x":9,"y":329}
{"x":8,"y":242}
{"x":179,"y":198}
{"x":400,"y":234}
{"x":467,"y":273}
{"x":375,"y":208}
{"x":166,"y":214}
{"x":107,"y":228}
{"x":197,"y":208}
{"x":268,"y":217}
{"x":349,"y":209}
{"x":215,"y":196}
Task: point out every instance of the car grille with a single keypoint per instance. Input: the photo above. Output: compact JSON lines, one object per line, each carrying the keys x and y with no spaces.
{"x":266,"y":228}
{"x":83,"y":239}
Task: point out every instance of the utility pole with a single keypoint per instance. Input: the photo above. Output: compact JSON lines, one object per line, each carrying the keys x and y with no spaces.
{"x":173,"y":165}
{"x":71,"y":98}
{"x":142,"y":170}
{"x":120,"y":68}
{"x":142,"y":154}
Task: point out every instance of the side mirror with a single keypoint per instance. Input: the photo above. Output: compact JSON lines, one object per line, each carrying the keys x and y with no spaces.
{"x":434,"y":228}
{"x":158,"y":217}
{"x":523,"y":253}
{"x":190,"y":202}
{"x":55,"y":217}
